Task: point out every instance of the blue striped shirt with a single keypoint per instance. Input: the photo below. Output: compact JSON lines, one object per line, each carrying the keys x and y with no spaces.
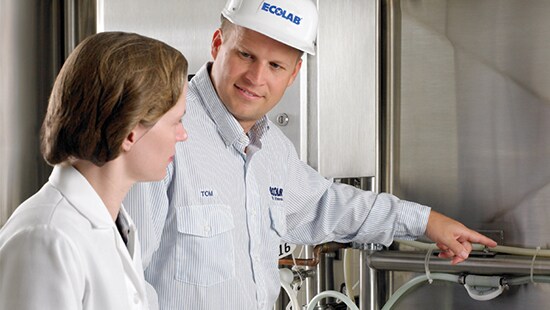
{"x":211,"y":230}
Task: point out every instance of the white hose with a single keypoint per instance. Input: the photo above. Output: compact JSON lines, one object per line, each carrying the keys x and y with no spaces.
{"x":286,"y":276}
{"x":476,"y":294}
{"x":313,"y":303}
{"x":416,"y":282}
{"x":480,"y":247}
{"x":347,"y":274}
{"x":528,"y":279}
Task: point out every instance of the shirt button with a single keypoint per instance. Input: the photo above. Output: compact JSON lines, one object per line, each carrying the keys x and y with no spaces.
{"x":136,"y":299}
{"x":207,"y":228}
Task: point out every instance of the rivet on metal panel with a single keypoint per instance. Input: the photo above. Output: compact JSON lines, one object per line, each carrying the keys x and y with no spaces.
{"x":282,"y":119}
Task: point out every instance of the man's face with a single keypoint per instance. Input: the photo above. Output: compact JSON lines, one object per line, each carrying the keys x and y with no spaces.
{"x":251,"y":72}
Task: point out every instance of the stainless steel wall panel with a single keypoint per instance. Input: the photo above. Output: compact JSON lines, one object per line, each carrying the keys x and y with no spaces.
{"x":474,"y":127}
{"x":473,"y":137}
{"x":186,"y":25}
{"x":343,"y":79}
{"x":27,"y":65}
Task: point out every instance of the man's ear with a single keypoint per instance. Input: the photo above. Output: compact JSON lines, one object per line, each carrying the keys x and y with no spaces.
{"x":295,"y":72}
{"x":217,"y":41}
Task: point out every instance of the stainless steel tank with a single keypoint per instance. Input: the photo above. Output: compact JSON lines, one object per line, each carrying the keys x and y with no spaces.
{"x":470,"y":119}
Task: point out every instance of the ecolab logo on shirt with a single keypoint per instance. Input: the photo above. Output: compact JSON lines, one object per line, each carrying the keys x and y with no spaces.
{"x":275,"y":10}
{"x":276,"y":193}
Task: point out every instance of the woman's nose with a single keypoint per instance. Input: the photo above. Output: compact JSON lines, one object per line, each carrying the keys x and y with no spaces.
{"x":181,"y":133}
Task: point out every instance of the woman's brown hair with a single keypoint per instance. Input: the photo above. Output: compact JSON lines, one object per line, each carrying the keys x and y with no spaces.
{"x":109,"y":84}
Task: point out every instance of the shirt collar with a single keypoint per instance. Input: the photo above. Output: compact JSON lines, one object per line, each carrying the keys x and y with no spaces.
{"x":228,"y":127}
{"x":81,"y":195}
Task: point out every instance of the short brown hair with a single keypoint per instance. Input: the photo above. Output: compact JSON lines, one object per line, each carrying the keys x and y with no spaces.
{"x":109,"y":84}
{"x":225,"y":24}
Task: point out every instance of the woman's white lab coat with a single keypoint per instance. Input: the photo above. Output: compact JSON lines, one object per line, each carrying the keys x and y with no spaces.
{"x":61,"y":250}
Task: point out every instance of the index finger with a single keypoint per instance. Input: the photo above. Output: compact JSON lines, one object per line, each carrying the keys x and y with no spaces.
{"x":476,"y":237}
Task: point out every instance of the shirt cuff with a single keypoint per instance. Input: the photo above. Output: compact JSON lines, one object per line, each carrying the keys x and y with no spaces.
{"x":412,"y":221}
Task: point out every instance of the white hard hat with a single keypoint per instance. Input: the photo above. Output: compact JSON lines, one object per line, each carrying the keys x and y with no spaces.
{"x":292,"y":22}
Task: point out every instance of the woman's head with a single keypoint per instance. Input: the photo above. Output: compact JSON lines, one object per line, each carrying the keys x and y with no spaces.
{"x":110,"y":83}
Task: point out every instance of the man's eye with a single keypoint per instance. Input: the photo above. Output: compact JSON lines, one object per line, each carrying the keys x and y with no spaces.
{"x":276,"y":66}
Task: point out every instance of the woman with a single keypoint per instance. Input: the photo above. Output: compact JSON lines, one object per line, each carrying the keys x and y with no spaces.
{"x":113,"y":119}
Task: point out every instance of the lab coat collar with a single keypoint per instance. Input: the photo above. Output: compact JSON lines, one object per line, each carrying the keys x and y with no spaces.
{"x":130,"y":264}
{"x":131,"y":245}
{"x":128,"y":252}
{"x":81,"y":195}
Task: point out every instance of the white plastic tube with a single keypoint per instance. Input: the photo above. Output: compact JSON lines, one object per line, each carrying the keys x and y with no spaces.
{"x":286,"y":276}
{"x":528,"y":279}
{"x":454,"y":278}
{"x":422,"y":279}
{"x":313,"y":303}
{"x":347,"y":274}
{"x":480,"y":247}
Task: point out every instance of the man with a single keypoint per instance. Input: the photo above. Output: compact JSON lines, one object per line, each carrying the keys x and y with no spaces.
{"x":211,"y":230}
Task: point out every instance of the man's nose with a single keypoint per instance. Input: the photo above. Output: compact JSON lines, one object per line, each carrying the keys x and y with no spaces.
{"x":256,"y":73}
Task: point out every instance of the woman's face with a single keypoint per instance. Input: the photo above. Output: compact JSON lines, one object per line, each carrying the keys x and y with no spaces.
{"x":154,"y":148}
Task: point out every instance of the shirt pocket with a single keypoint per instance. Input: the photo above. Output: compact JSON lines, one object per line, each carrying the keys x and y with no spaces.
{"x":277,"y":215}
{"x":205,"y":254}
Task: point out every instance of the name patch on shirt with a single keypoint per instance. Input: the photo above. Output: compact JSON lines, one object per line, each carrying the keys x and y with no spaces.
{"x":276,"y":193}
{"x":207,"y":193}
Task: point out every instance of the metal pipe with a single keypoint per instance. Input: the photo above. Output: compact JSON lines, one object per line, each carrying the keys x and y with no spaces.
{"x":317,"y":251}
{"x":368,"y":284}
{"x":390,"y":95}
{"x":319,"y":261}
{"x":329,"y":275}
{"x":321,"y":287}
{"x":310,"y":282}
{"x":70,"y":26}
{"x":372,"y":282}
{"x":498,"y":264}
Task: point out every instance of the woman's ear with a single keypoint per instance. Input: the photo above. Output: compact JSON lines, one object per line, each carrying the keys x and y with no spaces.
{"x":132,"y":137}
{"x":129,"y":141}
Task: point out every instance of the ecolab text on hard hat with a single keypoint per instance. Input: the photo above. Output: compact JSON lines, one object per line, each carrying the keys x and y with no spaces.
{"x":275,"y":10}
